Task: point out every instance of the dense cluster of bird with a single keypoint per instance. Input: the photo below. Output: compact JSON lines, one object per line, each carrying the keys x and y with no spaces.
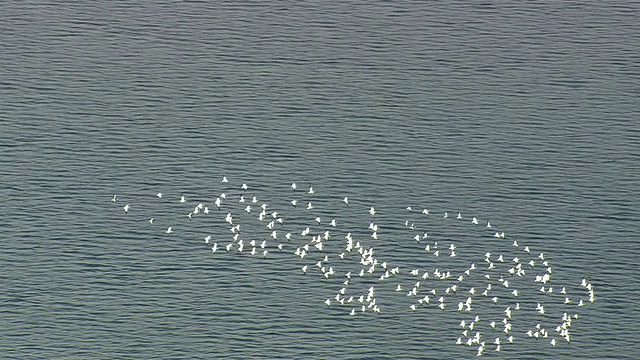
{"x":344,"y":254}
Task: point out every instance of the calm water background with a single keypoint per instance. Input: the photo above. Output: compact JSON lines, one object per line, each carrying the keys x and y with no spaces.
{"x":522,"y":113}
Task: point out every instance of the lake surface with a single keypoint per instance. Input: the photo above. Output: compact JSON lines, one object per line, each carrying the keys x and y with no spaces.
{"x":524,"y":114}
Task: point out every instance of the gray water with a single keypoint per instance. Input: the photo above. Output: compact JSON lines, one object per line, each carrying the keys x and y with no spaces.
{"x":522,"y":113}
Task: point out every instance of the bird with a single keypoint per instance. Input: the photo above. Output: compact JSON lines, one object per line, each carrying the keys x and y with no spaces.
{"x":316,"y":242}
{"x":224,"y":179}
{"x":115,"y":198}
{"x":126,"y":209}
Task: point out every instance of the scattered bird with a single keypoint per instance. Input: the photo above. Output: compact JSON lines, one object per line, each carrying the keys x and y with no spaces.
{"x":316,"y":242}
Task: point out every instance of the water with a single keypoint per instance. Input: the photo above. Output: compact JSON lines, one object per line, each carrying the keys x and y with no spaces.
{"x":524,"y":114}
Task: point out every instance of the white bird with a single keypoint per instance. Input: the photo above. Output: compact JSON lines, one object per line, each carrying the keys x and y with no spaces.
{"x":115,"y":198}
{"x":159,"y":195}
{"x":182,"y":200}
{"x":206,"y":239}
{"x":311,"y":190}
{"x":224,"y":179}
{"x":294,"y":186}
{"x":346,"y":201}
{"x":294,"y":202}
{"x":474,"y":221}
{"x":169,"y":230}
{"x":445,"y":215}
{"x":214,"y":248}
{"x":459,"y":217}
{"x":372,"y":211}
{"x":151,"y":221}
{"x":126,"y":208}
{"x":244,"y":187}
{"x":304,"y":270}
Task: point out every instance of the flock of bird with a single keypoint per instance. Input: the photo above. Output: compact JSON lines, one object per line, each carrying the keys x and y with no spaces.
{"x":332,"y":251}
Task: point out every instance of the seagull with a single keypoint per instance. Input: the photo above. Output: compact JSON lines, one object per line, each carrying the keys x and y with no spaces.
{"x":114,"y":198}
{"x":372,"y":211}
{"x":294,"y":186}
{"x":169,"y":230}
{"x":182,"y":200}
{"x":244,"y":187}
{"x":159,"y":195}
{"x":126,"y":209}
{"x":346,"y":201}
{"x":214,"y":248}
{"x":224,"y":179}
{"x":311,"y":190}
{"x":445,"y":215}
{"x":459,"y":217}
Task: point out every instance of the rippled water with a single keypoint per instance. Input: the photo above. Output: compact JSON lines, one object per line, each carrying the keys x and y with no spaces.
{"x":524,"y":114}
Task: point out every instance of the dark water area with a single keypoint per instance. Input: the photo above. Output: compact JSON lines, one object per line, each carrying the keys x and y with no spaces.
{"x":522,"y":114}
